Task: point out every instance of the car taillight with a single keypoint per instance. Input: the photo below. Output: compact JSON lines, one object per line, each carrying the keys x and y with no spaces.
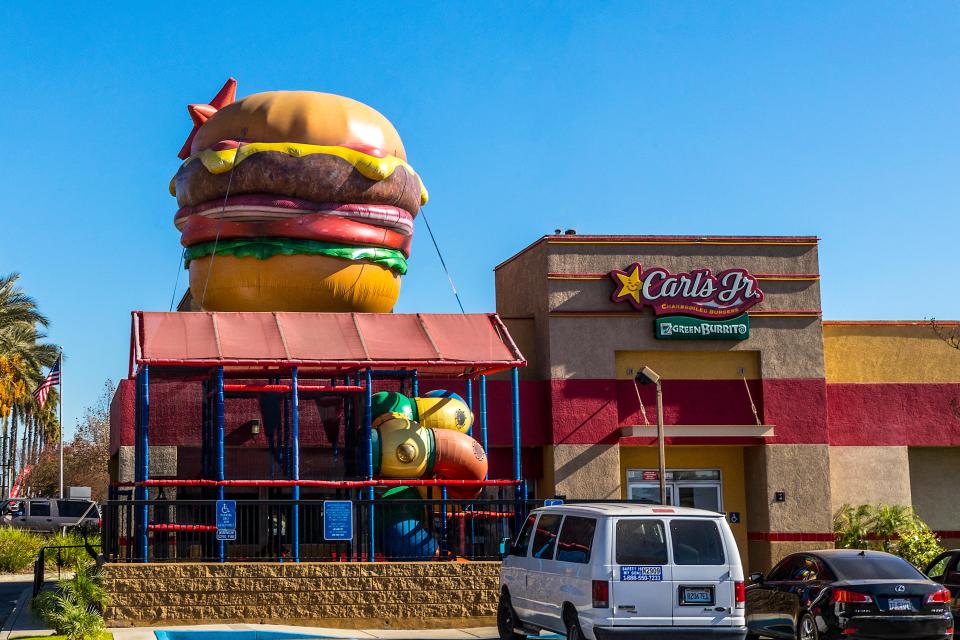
{"x":601,"y":594}
{"x":849,"y":631}
{"x":850,"y":597}
{"x":739,"y":594}
{"x":942,"y":596}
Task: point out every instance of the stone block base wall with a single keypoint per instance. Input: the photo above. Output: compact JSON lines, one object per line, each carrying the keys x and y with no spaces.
{"x":347,"y":595}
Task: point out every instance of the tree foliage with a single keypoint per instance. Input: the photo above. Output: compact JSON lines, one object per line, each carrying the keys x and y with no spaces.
{"x":892,"y":528}
{"x":84,"y":458}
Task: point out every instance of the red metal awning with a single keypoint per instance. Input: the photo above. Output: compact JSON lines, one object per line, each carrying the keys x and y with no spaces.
{"x":441,"y":344}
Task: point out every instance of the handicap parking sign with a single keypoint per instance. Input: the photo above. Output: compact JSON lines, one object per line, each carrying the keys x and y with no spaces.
{"x":226,"y":514}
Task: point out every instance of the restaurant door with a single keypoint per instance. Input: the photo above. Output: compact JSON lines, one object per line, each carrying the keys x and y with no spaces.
{"x":697,"y":488}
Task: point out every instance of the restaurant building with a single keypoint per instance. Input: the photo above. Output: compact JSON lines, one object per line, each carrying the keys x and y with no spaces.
{"x":773,"y":415}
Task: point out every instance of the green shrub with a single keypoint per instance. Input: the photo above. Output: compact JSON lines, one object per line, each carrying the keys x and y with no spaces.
{"x":69,"y":557}
{"x":74,"y":608}
{"x":892,"y":528}
{"x":18,"y":550}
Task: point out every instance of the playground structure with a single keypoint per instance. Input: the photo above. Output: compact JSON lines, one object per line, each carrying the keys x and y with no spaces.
{"x":414,"y":462}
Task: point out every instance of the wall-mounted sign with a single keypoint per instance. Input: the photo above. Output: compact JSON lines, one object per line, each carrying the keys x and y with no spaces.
{"x":697,"y":293}
{"x":687,"y":328}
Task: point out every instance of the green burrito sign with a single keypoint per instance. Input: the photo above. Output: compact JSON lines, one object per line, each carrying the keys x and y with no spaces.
{"x":688,"y":328}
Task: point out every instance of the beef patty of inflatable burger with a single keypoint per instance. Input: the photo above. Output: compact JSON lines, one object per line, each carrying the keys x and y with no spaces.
{"x":295,"y":201}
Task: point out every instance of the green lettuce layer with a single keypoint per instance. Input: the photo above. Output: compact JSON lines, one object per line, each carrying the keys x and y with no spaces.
{"x":263,"y":248}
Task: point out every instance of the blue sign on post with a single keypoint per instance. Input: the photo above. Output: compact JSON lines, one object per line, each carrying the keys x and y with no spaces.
{"x":552,"y":502}
{"x":226,"y":519}
{"x":338,"y":520}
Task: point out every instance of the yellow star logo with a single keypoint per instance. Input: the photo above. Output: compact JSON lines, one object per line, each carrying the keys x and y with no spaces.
{"x":631,"y":286}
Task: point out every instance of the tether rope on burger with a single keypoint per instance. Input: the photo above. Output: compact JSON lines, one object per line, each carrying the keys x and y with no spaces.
{"x":223,"y":212}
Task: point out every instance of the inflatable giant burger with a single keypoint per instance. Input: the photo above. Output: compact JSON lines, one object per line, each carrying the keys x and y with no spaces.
{"x":294,"y":201}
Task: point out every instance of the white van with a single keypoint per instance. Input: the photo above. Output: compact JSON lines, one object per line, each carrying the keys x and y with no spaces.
{"x":622,"y":570}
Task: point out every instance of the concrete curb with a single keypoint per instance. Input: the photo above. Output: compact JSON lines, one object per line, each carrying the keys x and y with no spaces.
{"x":474,"y":633}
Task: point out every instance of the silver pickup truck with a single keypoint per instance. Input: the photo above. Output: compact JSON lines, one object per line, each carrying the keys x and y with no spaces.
{"x":50,"y":514}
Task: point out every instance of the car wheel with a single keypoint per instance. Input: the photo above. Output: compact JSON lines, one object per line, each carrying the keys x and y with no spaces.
{"x":573,"y":628}
{"x":807,"y":629}
{"x":507,"y":620}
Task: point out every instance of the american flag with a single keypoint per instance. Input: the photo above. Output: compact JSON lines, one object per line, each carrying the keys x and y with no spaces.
{"x":53,"y":379}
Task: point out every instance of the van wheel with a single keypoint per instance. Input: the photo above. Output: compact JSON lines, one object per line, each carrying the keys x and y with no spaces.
{"x":573,"y":627}
{"x":807,"y":628}
{"x":507,"y":620}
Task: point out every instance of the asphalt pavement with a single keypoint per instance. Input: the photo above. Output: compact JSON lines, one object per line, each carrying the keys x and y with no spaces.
{"x":9,"y":594}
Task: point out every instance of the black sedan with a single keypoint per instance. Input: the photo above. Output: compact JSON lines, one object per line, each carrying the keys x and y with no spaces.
{"x":845,"y":593}
{"x":945,"y":570}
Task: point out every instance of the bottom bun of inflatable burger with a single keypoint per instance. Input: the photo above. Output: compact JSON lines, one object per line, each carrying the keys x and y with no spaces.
{"x":293,"y":283}
{"x":294,"y":201}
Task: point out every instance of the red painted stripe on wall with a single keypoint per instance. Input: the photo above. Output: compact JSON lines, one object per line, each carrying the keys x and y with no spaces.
{"x":785,"y":536}
{"x":902,"y":414}
{"x":589,"y":411}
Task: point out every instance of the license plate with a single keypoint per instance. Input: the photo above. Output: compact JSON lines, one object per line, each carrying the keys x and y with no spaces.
{"x":899,"y":604}
{"x":696,"y":595}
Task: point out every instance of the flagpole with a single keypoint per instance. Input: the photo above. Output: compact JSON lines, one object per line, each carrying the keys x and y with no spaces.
{"x":60,"y":388}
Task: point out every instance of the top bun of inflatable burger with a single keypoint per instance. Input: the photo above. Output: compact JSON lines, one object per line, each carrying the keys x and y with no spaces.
{"x":294,"y":201}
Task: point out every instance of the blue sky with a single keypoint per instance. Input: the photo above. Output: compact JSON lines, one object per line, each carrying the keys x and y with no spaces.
{"x":834,"y":119}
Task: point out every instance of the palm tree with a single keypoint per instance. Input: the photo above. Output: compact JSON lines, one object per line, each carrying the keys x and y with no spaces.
{"x":23,"y":356}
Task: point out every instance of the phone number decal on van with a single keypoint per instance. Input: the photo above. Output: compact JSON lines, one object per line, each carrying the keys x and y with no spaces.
{"x":641,"y":574}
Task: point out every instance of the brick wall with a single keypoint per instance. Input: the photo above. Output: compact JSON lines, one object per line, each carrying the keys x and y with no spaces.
{"x":349,"y":595}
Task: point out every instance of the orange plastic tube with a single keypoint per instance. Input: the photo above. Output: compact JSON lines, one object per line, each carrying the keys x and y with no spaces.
{"x":459,"y":457}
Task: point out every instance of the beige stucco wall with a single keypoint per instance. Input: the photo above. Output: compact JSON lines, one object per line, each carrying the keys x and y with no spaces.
{"x":869,"y":475}
{"x":802,"y":472}
{"x":348,"y":595}
{"x":936,"y":486}
{"x":585,"y":471}
{"x":521,"y":293}
{"x":162,"y":461}
{"x":583,"y":347}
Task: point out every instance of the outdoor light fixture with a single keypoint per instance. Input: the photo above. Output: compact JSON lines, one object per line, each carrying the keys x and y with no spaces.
{"x":649,"y":376}
{"x":255,"y":426}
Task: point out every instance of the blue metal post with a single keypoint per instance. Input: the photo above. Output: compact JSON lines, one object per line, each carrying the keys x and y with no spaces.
{"x":443,"y":526}
{"x":415,"y":381}
{"x":220,"y":464}
{"x":143,"y":393}
{"x":368,"y":432}
{"x":521,"y":490}
{"x":295,"y":455}
{"x":470,"y":401}
{"x":483,"y":415}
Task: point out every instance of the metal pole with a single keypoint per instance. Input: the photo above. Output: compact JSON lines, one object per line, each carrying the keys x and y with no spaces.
{"x":521,"y":489}
{"x":143,"y":388}
{"x":415,"y":382}
{"x":660,"y":444}
{"x":483,"y":413}
{"x":368,"y":432}
{"x":470,"y":402}
{"x":60,"y":408}
{"x":295,"y":429}
{"x":220,"y":465}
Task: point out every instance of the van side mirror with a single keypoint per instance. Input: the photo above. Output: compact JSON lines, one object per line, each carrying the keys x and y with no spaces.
{"x":506,"y":545}
{"x":756,"y":578}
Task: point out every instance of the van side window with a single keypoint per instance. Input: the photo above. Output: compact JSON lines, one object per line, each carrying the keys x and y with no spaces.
{"x":73,"y":508}
{"x":641,"y":542}
{"x":576,"y":539}
{"x":39,"y":508}
{"x":545,"y":539}
{"x":523,"y":540}
{"x":696,"y":542}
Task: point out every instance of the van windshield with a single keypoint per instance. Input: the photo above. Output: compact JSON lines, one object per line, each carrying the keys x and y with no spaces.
{"x":641,"y":542}
{"x":696,"y":542}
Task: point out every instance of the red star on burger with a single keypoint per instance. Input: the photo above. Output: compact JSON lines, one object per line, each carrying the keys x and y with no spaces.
{"x":200,"y":113}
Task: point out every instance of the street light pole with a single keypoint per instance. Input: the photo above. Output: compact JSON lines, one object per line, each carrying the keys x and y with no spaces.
{"x":649,"y":376}
{"x":661,"y":446}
